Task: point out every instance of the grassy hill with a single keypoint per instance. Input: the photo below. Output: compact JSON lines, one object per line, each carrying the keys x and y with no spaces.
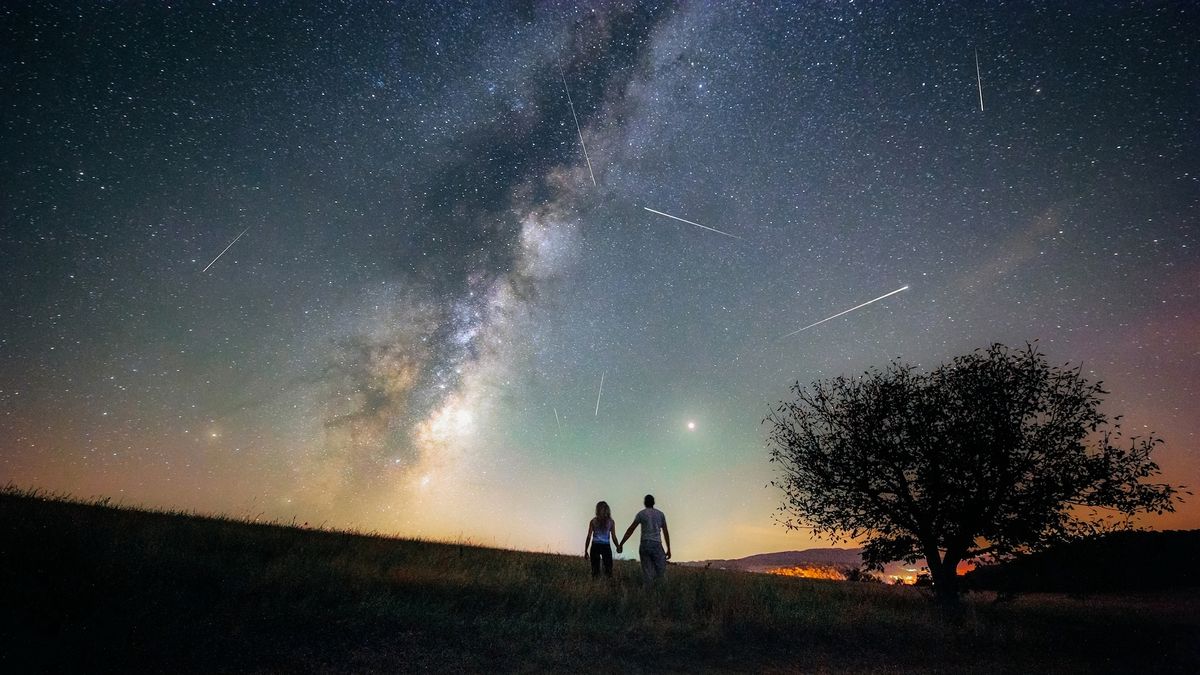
{"x":93,"y":588}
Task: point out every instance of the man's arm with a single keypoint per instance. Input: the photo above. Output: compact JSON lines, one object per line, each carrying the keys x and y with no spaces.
{"x":667,"y":539}
{"x":629,"y":532}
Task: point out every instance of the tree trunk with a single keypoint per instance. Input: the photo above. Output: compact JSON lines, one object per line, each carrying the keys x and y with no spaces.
{"x":944,"y":572}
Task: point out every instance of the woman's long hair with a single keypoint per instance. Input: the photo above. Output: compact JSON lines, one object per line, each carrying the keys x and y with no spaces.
{"x":603,"y":515}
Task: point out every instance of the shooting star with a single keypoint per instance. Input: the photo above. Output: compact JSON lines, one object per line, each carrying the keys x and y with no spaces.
{"x":902,"y":288}
{"x":599,"y":393}
{"x":577,"y":129}
{"x":710,"y":229}
{"x":979,"y":80}
{"x":556,"y":420}
{"x":225,"y":249}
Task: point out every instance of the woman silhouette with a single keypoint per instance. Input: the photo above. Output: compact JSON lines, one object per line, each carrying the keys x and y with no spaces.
{"x":600,"y":536}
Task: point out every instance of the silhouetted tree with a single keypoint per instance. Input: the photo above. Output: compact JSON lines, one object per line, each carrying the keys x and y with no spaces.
{"x":996,"y":452}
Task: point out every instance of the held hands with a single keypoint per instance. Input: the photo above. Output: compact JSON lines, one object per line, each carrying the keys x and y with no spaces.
{"x":668,"y":554}
{"x":619,"y":549}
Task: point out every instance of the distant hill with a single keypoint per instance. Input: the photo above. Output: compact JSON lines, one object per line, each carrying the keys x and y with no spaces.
{"x":765,"y":562}
{"x":817,"y":559}
{"x":1115,"y":562}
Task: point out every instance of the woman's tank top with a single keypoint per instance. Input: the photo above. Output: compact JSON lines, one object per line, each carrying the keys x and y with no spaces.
{"x":600,"y":532}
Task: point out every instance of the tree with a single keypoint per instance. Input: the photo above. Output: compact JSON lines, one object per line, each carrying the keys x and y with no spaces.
{"x":996,"y":452}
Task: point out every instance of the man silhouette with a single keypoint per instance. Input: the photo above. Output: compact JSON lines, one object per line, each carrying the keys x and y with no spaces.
{"x":654,"y":534}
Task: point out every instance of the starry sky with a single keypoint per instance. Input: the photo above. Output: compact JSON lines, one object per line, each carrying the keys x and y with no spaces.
{"x":429,"y":279}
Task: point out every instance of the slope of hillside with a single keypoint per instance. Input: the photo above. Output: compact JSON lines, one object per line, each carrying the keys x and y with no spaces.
{"x":89,"y":588}
{"x":1113,"y":562}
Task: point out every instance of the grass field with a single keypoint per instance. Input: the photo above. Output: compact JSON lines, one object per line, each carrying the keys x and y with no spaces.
{"x":93,"y":588}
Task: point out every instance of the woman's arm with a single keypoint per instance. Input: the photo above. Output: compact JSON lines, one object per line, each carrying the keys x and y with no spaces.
{"x":588,"y":540}
{"x":612,"y":534}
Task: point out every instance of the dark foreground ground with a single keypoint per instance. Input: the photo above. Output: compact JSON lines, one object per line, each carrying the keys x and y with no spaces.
{"x":90,"y":588}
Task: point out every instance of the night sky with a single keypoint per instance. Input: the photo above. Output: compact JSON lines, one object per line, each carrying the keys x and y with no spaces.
{"x":427,"y":287}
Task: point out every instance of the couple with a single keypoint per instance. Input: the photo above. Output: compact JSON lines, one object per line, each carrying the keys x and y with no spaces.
{"x":602,"y":530}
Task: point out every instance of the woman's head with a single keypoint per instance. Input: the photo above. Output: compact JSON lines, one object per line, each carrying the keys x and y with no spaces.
{"x":603,"y":513}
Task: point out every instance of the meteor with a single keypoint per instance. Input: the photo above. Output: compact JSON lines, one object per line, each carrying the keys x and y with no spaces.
{"x":225,"y":249}
{"x":577,"y":130}
{"x":979,"y":80}
{"x":710,"y":229}
{"x":599,"y":393}
{"x":902,"y":288}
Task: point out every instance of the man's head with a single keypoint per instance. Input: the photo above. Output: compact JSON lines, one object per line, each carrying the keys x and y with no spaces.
{"x":649,"y":501}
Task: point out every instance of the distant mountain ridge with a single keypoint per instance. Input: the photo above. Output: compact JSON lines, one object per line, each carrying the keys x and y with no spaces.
{"x":764,"y":562}
{"x":841,"y":559}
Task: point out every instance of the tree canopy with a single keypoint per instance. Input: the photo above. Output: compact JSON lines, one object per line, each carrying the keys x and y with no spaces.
{"x":995,"y":452}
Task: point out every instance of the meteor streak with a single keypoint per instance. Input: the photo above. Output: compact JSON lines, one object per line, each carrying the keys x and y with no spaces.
{"x":557,"y":421}
{"x":599,"y":393}
{"x":577,"y":130}
{"x":902,"y":288}
{"x":225,"y":249}
{"x":979,"y":80}
{"x":710,"y":229}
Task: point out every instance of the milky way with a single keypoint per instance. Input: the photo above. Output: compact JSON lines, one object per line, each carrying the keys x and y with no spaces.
{"x":442,"y":255}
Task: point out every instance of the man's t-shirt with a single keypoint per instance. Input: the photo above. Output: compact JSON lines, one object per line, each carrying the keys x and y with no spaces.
{"x":652,"y":521}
